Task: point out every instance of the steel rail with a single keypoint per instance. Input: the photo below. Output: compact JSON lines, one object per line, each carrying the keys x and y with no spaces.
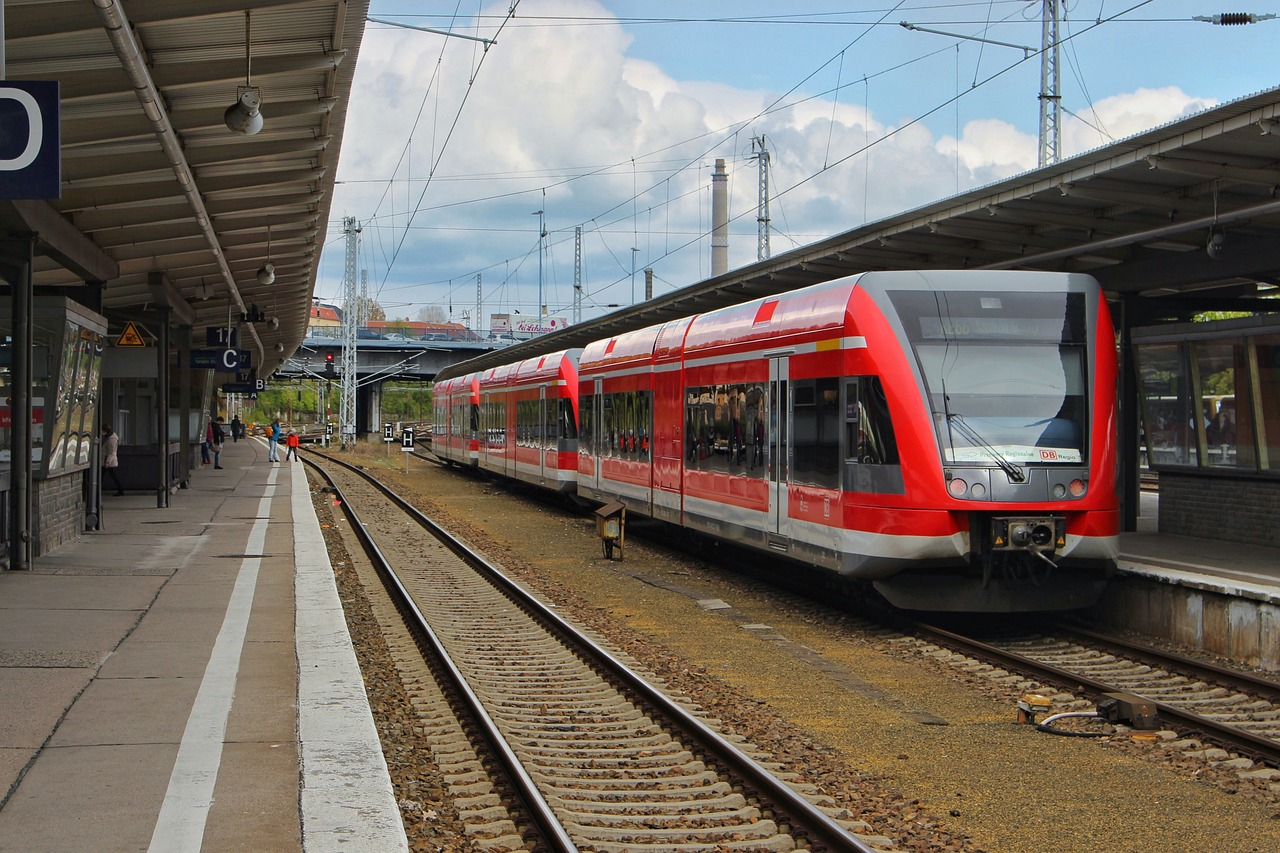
{"x":1266,"y":687}
{"x":1229,"y":737}
{"x":543,"y":816}
{"x":804,"y":816}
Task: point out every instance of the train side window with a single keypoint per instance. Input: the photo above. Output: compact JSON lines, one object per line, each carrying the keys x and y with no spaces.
{"x":815,"y":435}
{"x":869,"y":437}
{"x":607,"y":427}
{"x":586,"y":423}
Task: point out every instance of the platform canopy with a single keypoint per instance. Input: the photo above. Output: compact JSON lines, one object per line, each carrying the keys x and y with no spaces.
{"x":1182,"y":218}
{"x":160,"y":200}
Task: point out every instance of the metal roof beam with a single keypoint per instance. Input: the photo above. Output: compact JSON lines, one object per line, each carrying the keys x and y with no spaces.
{"x":174,"y":77}
{"x":58,"y":238}
{"x":1262,"y":177}
{"x":1240,"y":257}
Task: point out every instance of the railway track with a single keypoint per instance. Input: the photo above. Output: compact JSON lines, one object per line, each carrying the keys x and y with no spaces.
{"x":1238,"y":711}
{"x":593,"y":755}
{"x":1235,"y":710}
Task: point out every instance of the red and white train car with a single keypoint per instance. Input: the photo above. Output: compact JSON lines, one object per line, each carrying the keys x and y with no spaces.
{"x":455,"y":427}
{"x":947,"y":436}
{"x":528,"y":416}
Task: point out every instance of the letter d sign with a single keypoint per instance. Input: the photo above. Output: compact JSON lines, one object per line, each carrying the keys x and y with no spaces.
{"x":30,"y":146}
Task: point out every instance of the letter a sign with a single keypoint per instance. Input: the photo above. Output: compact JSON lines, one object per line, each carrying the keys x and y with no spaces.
{"x":30,"y":145}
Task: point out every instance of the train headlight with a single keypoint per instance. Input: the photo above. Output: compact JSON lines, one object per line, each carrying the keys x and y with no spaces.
{"x":1059,"y":491}
{"x":978,"y":490}
{"x":1077,"y":488}
{"x":957,"y":487}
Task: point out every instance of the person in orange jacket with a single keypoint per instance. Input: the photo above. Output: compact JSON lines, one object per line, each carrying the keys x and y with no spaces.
{"x":291,"y":443}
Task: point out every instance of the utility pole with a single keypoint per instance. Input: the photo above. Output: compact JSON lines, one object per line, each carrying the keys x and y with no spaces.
{"x":577,"y":274}
{"x":1050,"y":85}
{"x":479,"y":300}
{"x":542,"y":234}
{"x":350,"y":318}
{"x":762,"y":205}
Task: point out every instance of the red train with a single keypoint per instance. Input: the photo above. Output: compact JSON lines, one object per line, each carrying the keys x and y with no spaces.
{"x":947,"y":436}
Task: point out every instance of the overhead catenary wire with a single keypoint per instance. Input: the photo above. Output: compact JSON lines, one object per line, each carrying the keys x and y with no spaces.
{"x":714,"y":138}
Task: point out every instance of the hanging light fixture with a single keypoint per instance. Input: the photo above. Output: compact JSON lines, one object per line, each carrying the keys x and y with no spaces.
{"x":267,"y":272}
{"x":245,"y":115}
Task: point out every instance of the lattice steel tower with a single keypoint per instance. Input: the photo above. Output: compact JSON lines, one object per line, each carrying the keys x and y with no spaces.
{"x":762,"y":204}
{"x":350,"y":320}
{"x":1050,"y":85}
{"x":577,"y":274}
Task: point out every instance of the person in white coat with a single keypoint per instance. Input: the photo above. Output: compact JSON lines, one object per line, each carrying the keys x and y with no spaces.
{"x":111,"y":457}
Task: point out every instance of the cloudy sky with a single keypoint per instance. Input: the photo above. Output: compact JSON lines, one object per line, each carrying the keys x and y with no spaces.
{"x":609,"y":116}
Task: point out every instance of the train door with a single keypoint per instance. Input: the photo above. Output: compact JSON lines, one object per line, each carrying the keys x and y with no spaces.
{"x":597,"y":436}
{"x":542,"y":438}
{"x":779,"y":445}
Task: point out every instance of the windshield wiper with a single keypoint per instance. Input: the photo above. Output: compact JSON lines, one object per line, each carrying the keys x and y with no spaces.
{"x":1015,"y":473}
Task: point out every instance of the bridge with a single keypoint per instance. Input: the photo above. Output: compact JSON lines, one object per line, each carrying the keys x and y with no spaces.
{"x":380,"y":358}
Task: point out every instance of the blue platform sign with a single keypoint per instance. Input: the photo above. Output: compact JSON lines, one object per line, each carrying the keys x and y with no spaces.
{"x":30,"y":141}
{"x":222,"y":360}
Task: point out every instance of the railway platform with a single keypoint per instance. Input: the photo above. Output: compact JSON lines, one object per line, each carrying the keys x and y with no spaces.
{"x":1221,"y":597}
{"x":183,"y":680}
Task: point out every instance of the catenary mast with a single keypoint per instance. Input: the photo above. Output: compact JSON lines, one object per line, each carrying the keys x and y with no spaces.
{"x":350,"y":320}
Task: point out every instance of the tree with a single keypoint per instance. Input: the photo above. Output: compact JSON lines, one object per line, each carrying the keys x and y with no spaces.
{"x":371,"y":309}
{"x":431,"y":314}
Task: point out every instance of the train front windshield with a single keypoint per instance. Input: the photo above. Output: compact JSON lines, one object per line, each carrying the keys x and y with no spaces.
{"x":1005,"y":373}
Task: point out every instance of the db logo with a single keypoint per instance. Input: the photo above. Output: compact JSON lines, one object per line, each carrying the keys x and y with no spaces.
{"x":1048,"y":455}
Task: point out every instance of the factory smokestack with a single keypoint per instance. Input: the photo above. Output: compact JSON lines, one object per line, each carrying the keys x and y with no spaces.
{"x":719,"y":220}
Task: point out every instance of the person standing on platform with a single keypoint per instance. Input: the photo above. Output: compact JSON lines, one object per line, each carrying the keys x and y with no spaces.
{"x":291,"y":442}
{"x":207,"y":443}
{"x":273,"y":443}
{"x":219,"y":436}
{"x":235,"y":429}
{"x":111,"y":458}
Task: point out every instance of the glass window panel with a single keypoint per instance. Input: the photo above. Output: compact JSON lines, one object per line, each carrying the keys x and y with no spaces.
{"x":1166,"y":396}
{"x":93,"y":377}
{"x":1224,"y":404}
{"x":1267,"y":350}
{"x":815,"y":436}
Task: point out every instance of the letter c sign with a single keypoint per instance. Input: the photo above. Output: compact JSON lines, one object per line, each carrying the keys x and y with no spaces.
{"x":30,"y":144}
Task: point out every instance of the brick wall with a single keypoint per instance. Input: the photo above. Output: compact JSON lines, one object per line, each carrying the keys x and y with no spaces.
{"x":58,"y":507}
{"x":1237,"y":509}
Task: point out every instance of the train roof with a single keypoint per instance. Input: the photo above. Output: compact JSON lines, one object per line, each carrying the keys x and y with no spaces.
{"x":551,"y":366}
{"x":629,"y":347}
{"x":798,"y":315}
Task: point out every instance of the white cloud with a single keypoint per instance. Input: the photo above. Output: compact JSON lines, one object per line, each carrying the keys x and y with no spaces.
{"x":1125,"y":114}
{"x":552,"y":104}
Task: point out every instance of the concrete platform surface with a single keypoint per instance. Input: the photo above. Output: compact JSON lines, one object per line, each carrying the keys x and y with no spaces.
{"x":150,"y":687}
{"x":1231,"y":568}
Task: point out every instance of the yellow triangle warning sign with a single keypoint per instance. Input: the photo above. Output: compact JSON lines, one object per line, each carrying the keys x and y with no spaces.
{"x":130,"y":337}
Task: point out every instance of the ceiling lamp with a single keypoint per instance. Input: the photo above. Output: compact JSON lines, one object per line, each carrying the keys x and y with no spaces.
{"x":245,"y":115}
{"x":267,"y":272}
